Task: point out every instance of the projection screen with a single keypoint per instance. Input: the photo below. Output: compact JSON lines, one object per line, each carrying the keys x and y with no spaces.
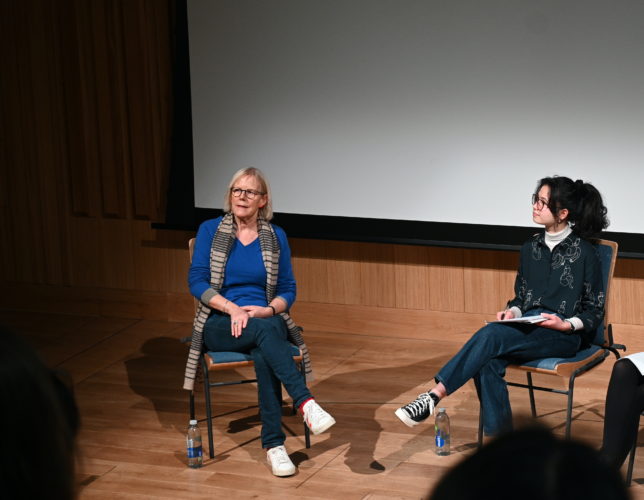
{"x":419,"y":110}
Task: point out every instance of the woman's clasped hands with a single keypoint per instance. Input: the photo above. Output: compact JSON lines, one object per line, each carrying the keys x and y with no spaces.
{"x":240,"y":316}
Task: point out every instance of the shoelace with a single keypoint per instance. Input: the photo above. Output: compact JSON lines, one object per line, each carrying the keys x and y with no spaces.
{"x":279,"y":454}
{"x":420,"y":404}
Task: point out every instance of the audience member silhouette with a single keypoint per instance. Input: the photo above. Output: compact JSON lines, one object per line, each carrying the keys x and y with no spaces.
{"x":531,"y":464}
{"x":624,"y":405}
{"x":39,"y":422}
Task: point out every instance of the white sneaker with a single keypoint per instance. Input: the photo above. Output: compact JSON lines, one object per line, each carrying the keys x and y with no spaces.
{"x":280,"y":462}
{"x":316,"y":418}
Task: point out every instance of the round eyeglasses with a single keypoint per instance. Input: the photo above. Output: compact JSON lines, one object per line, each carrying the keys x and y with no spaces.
{"x":250,"y":193}
{"x":539,"y":202}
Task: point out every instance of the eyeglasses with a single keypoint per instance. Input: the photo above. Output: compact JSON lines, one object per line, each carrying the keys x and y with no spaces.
{"x":539,"y":202}
{"x":250,"y":193}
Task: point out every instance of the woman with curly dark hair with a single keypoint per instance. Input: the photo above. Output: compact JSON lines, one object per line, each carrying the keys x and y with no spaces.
{"x":559,"y":282}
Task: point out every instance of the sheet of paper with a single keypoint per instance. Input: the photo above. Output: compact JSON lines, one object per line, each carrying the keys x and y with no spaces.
{"x":524,"y":319}
{"x":638,"y":360}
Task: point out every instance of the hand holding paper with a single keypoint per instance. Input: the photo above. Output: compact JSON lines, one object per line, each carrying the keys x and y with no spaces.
{"x":523,"y":319}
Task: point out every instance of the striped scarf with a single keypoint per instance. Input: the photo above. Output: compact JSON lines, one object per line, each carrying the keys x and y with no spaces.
{"x":219,"y":251}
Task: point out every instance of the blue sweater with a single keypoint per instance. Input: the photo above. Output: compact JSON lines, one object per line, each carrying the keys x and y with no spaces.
{"x":245,"y":275}
{"x":567,"y":281}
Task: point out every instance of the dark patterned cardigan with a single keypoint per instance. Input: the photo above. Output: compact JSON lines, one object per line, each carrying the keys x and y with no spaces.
{"x":567,"y":280}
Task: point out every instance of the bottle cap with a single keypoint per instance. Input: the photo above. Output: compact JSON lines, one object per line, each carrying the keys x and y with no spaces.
{"x":193,"y":422}
{"x":442,"y":409}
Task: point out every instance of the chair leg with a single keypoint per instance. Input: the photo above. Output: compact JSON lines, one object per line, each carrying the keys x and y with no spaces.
{"x":206,"y":389}
{"x":533,"y":406}
{"x":631,"y":461}
{"x":571,"y":389}
{"x":307,"y":432}
{"x":192,"y":405}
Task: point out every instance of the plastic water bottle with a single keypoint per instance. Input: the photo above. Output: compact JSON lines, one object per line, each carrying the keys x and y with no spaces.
{"x":441,"y":432}
{"x":193,"y":442}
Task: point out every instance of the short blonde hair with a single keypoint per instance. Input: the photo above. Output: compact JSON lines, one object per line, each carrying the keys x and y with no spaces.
{"x":266,"y":212}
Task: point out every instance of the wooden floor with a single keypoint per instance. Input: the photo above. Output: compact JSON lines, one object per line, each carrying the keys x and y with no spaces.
{"x":128,"y":376}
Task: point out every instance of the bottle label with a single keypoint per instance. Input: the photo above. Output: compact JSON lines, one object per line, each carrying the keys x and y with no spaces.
{"x":194,"y":452}
{"x":440,"y":440}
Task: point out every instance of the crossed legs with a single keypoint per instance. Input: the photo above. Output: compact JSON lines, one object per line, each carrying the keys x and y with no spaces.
{"x":484,"y":358}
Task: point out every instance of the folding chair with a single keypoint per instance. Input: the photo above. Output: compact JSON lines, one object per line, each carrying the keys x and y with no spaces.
{"x":212,"y":362}
{"x":585,"y":360}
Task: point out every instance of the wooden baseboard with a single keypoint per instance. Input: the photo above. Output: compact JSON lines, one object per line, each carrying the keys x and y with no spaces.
{"x":383,"y":321}
{"x":135,"y":304}
{"x":138,"y":304}
{"x":313,"y":316}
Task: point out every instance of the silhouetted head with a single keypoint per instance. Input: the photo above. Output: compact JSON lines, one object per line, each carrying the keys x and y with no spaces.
{"x":39,"y":421}
{"x":531,"y":464}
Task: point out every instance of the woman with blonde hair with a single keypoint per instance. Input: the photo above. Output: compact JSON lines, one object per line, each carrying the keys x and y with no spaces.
{"x":241,"y":273}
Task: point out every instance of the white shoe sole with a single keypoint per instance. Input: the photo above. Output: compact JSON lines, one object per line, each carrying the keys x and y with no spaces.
{"x":400,"y":413}
{"x":284,"y":473}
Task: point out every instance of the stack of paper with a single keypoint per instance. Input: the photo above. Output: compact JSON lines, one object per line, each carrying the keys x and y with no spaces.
{"x":524,"y":319}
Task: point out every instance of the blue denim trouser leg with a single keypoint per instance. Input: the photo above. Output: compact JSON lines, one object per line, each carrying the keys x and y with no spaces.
{"x":269,"y":336}
{"x":485,"y":356}
{"x":269,"y":396}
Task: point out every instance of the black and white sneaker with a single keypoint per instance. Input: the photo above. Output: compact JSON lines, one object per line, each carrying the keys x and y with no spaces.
{"x":417,"y":411}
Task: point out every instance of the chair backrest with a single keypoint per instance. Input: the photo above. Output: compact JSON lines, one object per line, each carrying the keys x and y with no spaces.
{"x":191,"y":248}
{"x":607,"y":253}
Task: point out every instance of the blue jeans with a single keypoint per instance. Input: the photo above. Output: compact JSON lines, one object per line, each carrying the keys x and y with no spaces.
{"x":265,"y":339}
{"x":485,"y":356}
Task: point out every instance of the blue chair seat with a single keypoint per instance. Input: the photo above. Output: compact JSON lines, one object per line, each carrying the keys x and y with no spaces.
{"x":215,"y":358}
{"x":238,"y":357}
{"x":551,"y":364}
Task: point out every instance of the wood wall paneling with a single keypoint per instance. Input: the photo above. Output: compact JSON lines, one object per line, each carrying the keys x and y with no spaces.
{"x":343,"y":275}
{"x":377,"y":275}
{"x":25,"y":224}
{"x":140,"y":105}
{"x":48,"y":147}
{"x":117,"y":254}
{"x":84,"y":248}
{"x":488,"y":279}
{"x":446,"y":278}
{"x":85,"y":129}
{"x":411,"y":277}
{"x":385,"y":322}
{"x":308,"y":258}
{"x":149,"y":262}
{"x":6,"y":131}
{"x":159,"y":53}
{"x":86,"y":189}
{"x":627,"y":296}
{"x":176,"y":243}
{"x":113,"y":143}
{"x":10,"y":136}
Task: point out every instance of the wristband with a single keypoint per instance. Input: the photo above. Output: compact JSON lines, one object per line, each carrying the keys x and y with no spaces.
{"x":572,"y":325}
{"x":274,"y":313}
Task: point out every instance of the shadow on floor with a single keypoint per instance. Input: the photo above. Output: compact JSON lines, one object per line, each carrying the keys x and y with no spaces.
{"x":157,"y":374}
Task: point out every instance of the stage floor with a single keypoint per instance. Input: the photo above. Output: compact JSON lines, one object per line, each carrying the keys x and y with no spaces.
{"x":128,"y":375}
